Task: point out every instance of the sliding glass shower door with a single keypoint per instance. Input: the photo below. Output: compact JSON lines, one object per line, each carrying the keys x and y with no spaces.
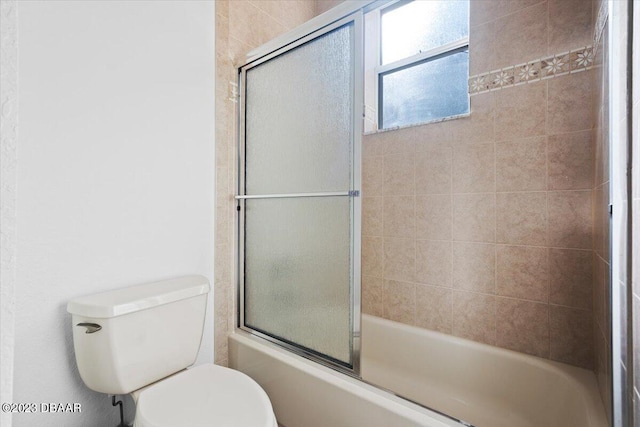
{"x":298,"y":204}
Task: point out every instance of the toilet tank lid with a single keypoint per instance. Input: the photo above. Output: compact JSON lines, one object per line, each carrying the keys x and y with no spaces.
{"x":136,"y":298}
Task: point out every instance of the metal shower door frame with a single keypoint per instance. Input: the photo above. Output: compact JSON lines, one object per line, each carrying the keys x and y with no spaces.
{"x":355,"y":19}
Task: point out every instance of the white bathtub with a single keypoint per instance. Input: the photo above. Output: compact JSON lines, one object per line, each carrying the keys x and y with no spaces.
{"x":483,"y":385}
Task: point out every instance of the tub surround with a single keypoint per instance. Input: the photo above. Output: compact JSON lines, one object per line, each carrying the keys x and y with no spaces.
{"x":481,"y":227}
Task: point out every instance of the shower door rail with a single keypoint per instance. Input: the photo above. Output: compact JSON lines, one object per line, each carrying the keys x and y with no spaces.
{"x":344,"y":203}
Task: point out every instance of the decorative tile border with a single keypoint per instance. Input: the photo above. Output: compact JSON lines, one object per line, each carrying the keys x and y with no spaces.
{"x":546,"y":68}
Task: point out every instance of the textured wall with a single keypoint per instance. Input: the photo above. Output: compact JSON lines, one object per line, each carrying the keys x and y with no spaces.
{"x":8,"y":158}
{"x":114,"y":177}
{"x":241,"y":25}
{"x":324,"y":5}
{"x":601,"y":200}
{"x":481,"y":227}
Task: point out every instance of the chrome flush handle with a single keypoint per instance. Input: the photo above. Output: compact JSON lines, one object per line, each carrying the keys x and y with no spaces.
{"x":91,"y":327}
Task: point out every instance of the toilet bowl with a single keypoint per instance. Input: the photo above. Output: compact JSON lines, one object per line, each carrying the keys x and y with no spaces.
{"x":141,"y":340}
{"x":204,"y":396}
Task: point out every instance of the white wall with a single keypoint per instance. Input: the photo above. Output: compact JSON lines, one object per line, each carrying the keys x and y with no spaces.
{"x":8,"y":142}
{"x":115,"y":173}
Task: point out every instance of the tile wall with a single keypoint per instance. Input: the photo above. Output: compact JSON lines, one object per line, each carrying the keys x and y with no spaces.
{"x":241,"y":25}
{"x":601,"y":200}
{"x":481,"y":227}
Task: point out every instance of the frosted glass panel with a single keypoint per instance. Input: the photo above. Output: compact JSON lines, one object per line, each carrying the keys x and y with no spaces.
{"x":422,"y":25}
{"x":427,"y":91}
{"x":299,"y":118}
{"x":297,"y":272}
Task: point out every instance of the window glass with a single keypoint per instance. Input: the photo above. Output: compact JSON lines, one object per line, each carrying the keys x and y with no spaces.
{"x":422,"y":25}
{"x":426,"y":91}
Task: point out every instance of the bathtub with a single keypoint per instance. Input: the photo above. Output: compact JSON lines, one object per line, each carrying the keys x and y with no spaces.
{"x":483,"y":385}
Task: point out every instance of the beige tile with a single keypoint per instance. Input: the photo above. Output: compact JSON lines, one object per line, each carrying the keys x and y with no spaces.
{"x":474,"y":267}
{"x":433,"y":308}
{"x":372,"y":296}
{"x":507,"y":7}
{"x":222,"y":223}
{"x":521,"y":111}
{"x":474,"y":217}
{"x":322,"y":6}
{"x":600,"y":292}
{"x":223,"y":192}
{"x":570,"y":25}
{"x":636,"y":338}
{"x":399,"y":141}
{"x":624,"y":330}
{"x":635,"y":248}
{"x":399,"y":301}
{"x":252,"y":25}
{"x":289,"y":13}
{"x":521,"y":165}
{"x":602,"y":369}
{"x":433,"y":171}
{"x":222,"y":265}
{"x":601,"y":154}
{"x":398,"y":176}
{"x":570,"y":161}
{"x":569,"y":106}
{"x":221,"y":304}
{"x":571,"y":336}
{"x":242,"y":17}
{"x":220,"y":342}
{"x":570,"y":219}
{"x":487,"y":10}
{"x":598,"y":220}
{"x":430,"y":136}
{"x":571,"y":278}
{"x":373,"y":145}
{"x":522,"y":326}
{"x":474,"y":316}
{"x":481,"y":11}
{"x":433,"y":262}
{"x":521,"y":218}
{"x":474,"y":168}
{"x":433,"y":217}
{"x":372,"y":176}
{"x":222,"y":8}
{"x":399,"y":259}
{"x":481,"y":48}
{"x":372,"y":216}
{"x":522,"y":272}
{"x":521,"y":36}
{"x":479,"y":126}
{"x":372,"y":256}
{"x":606,"y":219}
{"x":399,"y":216}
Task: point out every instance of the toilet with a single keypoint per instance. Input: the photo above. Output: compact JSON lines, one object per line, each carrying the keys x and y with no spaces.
{"x":141,"y":340}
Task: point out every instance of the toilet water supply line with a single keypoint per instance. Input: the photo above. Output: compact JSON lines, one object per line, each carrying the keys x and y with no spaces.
{"x":121,"y":405}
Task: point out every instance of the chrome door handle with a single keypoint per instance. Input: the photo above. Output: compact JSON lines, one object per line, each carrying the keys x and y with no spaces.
{"x":91,"y":327}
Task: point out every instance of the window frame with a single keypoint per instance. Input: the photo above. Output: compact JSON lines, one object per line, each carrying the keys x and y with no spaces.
{"x":381,"y":70}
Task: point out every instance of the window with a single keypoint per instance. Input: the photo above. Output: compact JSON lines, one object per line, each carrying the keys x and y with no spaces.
{"x":419,"y":64}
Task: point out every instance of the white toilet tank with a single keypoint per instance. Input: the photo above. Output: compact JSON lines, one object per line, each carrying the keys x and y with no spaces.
{"x":129,"y":338}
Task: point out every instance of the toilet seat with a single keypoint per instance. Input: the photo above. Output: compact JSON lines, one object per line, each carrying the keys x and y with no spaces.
{"x":205,"y":396}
